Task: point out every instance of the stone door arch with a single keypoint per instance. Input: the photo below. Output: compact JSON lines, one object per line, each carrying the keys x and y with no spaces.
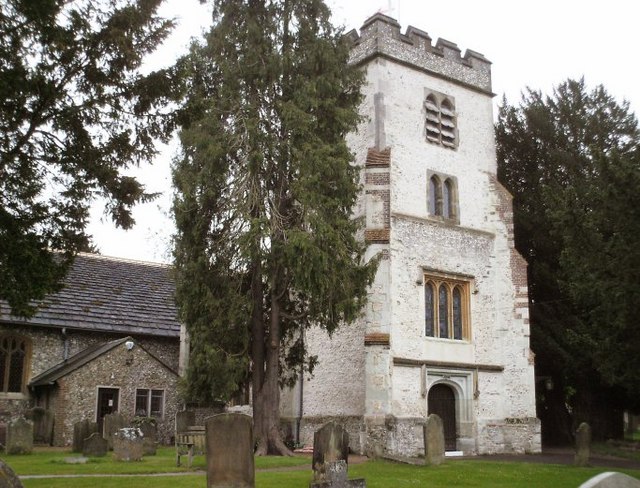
{"x":442,"y":401}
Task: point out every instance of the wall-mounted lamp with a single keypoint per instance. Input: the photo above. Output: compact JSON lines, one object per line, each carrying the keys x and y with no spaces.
{"x":129,"y":345}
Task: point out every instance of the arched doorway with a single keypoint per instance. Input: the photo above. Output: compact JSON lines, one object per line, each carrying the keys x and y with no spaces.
{"x":442,"y":402}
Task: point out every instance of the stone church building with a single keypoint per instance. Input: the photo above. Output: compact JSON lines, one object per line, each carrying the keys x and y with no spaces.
{"x":446,"y":328}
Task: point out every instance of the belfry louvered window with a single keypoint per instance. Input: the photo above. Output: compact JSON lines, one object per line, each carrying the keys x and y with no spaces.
{"x":440,"y":121}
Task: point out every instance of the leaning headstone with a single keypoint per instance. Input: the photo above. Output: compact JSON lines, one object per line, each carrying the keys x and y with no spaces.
{"x":229,"y":438}
{"x":611,"y":479}
{"x":19,"y":436}
{"x":82,"y":430}
{"x":150,"y":436}
{"x":94,"y":446}
{"x":8,"y":479}
{"x":330,"y":458}
{"x":112,"y":423}
{"x":433,"y":440}
{"x":128,"y":444}
{"x":583,"y":445}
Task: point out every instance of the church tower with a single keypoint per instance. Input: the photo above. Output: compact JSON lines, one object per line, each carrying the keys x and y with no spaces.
{"x":446,"y":327}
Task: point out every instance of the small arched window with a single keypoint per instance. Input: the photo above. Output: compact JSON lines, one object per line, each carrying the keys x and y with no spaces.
{"x":435,"y":196}
{"x":429,"y":315}
{"x":442,"y":197}
{"x":440,"y":120}
{"x":457,"y":313}
{"x":443,"y":311}
{"x":13,"y":363}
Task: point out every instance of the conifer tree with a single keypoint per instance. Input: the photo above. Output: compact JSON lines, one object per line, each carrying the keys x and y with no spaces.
{"x":571,"y":162}
{"x":75,"y":111}
{"x":266,"y":243}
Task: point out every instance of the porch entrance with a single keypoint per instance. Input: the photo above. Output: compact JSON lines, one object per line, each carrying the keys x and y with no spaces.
{"x":442,"y":402}
{"x":107,"y":403}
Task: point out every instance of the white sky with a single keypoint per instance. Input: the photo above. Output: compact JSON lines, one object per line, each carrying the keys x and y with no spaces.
{"x":536,"y":44}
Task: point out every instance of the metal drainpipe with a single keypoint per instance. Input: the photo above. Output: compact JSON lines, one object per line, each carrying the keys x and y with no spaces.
{"x":65,"y":344}
{"x":301,"y":392}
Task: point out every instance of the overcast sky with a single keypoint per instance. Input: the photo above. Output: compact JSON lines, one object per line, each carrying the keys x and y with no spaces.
{"x":536,"y":44}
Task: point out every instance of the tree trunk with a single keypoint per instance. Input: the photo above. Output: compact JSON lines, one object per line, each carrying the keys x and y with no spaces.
{"x":266,"y":407}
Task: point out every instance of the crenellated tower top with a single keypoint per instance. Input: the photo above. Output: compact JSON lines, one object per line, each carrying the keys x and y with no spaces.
{"x":380,"y":36}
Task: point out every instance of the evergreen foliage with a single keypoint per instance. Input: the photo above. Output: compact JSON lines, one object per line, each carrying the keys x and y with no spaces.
{"x":74,"y":112}
{"x":571,"y":163}
{"x":266,"y":244}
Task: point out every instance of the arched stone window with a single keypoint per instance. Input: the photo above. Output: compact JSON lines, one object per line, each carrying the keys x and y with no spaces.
{"x":440,"y":120}
{"x":435,"y":196}
{"x":14,"y":354}
{"x":442,"y":197}
{"x":446,"y":302}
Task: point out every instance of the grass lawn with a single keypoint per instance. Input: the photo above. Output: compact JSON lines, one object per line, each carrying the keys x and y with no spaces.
{"x":379,"y":474}
{"x":47,"y":461}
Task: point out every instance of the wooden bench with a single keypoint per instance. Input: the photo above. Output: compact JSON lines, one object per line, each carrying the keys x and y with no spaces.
{"x":189,"y":438}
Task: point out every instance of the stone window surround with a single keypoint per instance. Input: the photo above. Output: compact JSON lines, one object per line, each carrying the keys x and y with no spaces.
{"x":441,"y":125}
{"x":148,"y":399}
{"x":26,"y":366}
{"x":450,"y":282}
{"x":440,"y":180}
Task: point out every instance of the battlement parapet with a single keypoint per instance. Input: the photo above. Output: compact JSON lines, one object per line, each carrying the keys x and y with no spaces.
{"x":380,"y":36}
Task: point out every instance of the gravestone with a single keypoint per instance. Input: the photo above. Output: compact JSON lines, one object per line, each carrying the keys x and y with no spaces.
{"x":150,"y":436}
{"x":19,"y":436}
{"x":82,"y":430}
{"x":611,"y":479}
{"x":433,"y":440}
{"x":184,"y":420}
{"x":94,"y":446}
{"x":229,"y":439}
{"x":8,"y":479}
{"x":42,"y":424}
{"x":583,"y":445}
{"x":112,"y":423}
{"x":128,"y":444}
{"x":330,"y":458}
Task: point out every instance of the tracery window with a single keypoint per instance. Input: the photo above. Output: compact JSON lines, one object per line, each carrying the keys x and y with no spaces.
{"x":14,"y":354}
{"x":446,"y":308}
{"x":440,"y":123}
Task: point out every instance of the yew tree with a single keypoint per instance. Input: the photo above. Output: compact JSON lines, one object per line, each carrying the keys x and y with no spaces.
{"x":571,"y":161}
{"x":75,"y":112}
{"x":265,"y":186}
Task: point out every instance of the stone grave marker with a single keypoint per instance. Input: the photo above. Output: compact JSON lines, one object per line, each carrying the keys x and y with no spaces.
{"x":111,"y":424}
{"x":82,"y":430}
{"x":94,"y":446}
{"x":433,"y":441}
{"x":184,"y":420}
{"x":583,"y":445}
{"x":330,"y":458}
{"x":128,"y":444}
{"x":150,"y":433}
{"x":8,"y":479}
{"x":19,"y":436}
{"x":229,"y":439}
{"x":611,"y":479}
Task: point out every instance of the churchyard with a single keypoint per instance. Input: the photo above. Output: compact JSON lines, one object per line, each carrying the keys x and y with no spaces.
{"x":327,"y":467}
{"x":272,"y":472}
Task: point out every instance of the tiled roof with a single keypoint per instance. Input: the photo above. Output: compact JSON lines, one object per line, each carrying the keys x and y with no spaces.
{"x":105,"y":294}
{"x":76,"y":361}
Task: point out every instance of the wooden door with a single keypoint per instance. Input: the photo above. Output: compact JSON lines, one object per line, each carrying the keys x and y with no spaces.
{"x":442,"y":402}
{"x":107,"y":403}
